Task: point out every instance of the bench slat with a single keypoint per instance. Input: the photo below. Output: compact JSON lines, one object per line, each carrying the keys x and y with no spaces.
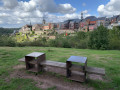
{"x":94,"y":70}
{"x":54,"y":64}
{"x":22,"y":59}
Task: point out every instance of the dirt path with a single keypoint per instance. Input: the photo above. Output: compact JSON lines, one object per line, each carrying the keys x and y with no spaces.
{"x":46,"y":80}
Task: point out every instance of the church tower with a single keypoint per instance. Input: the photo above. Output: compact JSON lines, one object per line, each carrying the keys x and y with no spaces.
{"x":81,"y":15}
{"x":43,"y":22}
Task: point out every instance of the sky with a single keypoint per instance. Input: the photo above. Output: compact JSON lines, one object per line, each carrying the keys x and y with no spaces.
{"x":17,"y":13}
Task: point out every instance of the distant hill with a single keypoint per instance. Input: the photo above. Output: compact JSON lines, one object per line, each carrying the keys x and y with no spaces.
{"x":7,"y":31}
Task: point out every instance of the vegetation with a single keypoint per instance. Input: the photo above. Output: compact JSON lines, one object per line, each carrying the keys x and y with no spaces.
{"x":102,"y":39}
{"x":7,"y":41}
{"x":99,"y":39}
{"x":108,"y":59}
{"x":7,"y":31}
{"x":114,"y":38}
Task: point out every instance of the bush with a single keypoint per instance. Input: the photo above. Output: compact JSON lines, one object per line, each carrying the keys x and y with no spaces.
{"x":99,"y":39}
{"x":11,"y":43}
{"x":38,"y":42}
{"x":114,"y":38}
{"x":81,"y":45}
{"x":7,"y":41}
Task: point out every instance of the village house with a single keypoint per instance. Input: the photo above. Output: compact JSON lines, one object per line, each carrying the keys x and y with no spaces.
{"x":82,"y":24}
{"x":115,"y":21}
{"x":26,"y":29}
{"x":101,"y":21}
{"x":89,"y":23}
{"x":65,"y":24}
{"x":37,"y":27}
{"x":71,"y":24}
{"x":58,"y":26}
{"x":48,"y":26}
{"x":92,"y":24}
{"x":74,"y":24}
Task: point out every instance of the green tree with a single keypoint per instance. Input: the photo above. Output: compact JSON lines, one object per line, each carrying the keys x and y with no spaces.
{"x":114,"y":38}
{"x":99,"y":38}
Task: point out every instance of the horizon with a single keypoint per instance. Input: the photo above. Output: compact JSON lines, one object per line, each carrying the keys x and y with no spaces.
{"x":17,"y":13}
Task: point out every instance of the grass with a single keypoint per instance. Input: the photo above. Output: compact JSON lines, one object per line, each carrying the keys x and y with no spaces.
{"x":108,"y":59}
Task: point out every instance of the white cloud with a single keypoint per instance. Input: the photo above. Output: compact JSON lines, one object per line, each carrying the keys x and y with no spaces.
{"x":20,"y":13}
{"x":84,"y":4}
{"x":46,"y":6}
{"x":10,"y":3}
{"x":4,"y":15}
{"x":64,"y":8}
{"x":1,"y":22}
{"x":27,"y":6}
{"x":85,"y":11}
{"x":110,"y":9}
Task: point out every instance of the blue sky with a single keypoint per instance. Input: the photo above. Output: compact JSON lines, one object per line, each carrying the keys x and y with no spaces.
{"x":91,"y":5}
{"x":16,"y":13}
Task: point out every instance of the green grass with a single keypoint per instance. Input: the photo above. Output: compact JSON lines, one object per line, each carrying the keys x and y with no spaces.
{"x":108,"y":59}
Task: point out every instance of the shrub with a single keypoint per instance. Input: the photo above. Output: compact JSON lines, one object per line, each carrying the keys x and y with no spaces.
{"x":7,"y":41}
{"x":114,"y":38}
{"x":11,"y":43}
{"x":99,"y":38}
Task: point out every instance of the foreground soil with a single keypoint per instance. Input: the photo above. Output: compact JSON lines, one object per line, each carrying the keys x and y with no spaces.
{"x":48,"y":80}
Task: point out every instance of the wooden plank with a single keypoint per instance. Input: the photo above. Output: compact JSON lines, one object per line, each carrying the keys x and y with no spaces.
{"x":77,"y":76}
{"x":33,"y":62}
{"x":35,"y":54}
{"x":76,"y":68}
{"x":94,"y":70}
{"x":54,"y":64}
{"x":58,"y":70}
{"x":22,"y":59}
{"x":77,"y":59}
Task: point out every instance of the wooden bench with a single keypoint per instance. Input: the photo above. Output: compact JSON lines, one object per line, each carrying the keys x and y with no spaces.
{"x":36,"y":62}
{"x":89,"y":70}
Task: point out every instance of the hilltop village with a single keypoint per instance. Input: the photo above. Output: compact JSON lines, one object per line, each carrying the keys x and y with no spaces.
{"x":50,"y":30}
{"x":84,"y":24}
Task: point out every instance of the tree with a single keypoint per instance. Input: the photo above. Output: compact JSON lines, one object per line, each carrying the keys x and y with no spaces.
{"x":99,"y":38}
{"x":114,"y":38}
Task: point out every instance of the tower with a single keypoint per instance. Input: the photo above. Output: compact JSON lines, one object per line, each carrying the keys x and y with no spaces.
{"x":43,"y":22}
{"x":30,"y":23}
{"x":81,"y":15}
{"x":30,"y":26}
